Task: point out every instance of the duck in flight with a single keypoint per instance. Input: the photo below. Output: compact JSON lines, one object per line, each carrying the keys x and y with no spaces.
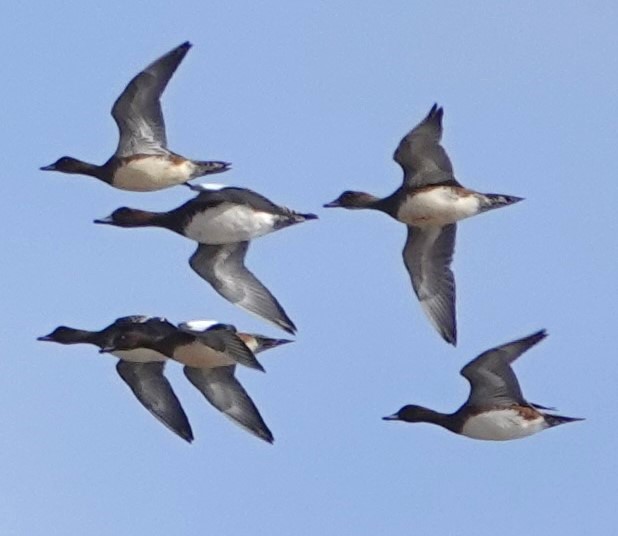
{"x":142,"y":162}
{"x":496,"y":409}
{"x":223,"y":220}
{"x":141,"y":367}
{"x":430,"y":202}
{"x":214,"y":379}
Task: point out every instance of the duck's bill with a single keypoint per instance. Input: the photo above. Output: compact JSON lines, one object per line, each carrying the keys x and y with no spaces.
{"x":393,"y":417}
{"x":332,"y":204}
{"x":107,"y":220}
{"x":51,"y":167}
{"x":45,"y":338}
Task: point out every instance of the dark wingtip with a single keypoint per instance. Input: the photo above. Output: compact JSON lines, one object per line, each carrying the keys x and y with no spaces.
{"x":186,"y":45}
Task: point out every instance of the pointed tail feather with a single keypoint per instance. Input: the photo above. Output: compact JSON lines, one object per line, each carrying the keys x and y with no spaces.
{"x":555,"y":420}
{"x":491,"y":201}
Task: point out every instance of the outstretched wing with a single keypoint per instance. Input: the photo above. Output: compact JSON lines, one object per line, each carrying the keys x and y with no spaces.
{"x":137,"y":111}
{"x":427,"y":255}
{"x":224,"y":268}
{"x":492,"y":380}
{"x":155,"y":393}
{"x":225,"y":393}
{"x":423,"y":160}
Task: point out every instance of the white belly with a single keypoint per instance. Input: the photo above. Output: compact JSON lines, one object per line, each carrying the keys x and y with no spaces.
{"x":502,"y":425}
{"x":438,"y":206}
{"x":151,"y":173}
{"x":227,"y":224}
{"x":201,"y":356}
{"x":139,"y":355}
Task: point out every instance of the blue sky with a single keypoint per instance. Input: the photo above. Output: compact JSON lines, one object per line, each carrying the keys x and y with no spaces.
{"x":306,"y":100}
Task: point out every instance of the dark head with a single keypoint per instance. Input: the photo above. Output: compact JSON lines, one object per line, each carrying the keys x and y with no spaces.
{"x":68,"y":164}
{"x":128,"y":339}
{"x":66,"y":335}
{"x":352,"y":200}
{"x":411,"y":413}
{"x":129,"y":217}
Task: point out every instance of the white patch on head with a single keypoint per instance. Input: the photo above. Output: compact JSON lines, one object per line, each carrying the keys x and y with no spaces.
{"x":228,"y":223}
{"x":208,"y":186}
{"x":139,"y":355}
{"x":441,"y":205}
{"x":152,"y":173}
{"x":502,"y":425}
{"x":198,"y":325}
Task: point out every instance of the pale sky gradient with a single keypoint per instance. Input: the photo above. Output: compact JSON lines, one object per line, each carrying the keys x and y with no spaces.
{"x":307,"y":99}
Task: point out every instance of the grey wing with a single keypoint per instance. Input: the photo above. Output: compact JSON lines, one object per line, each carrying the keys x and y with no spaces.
{"x":155,"y":393}
{"x":225,"y":393}
{"x":230,"y":344}
{"x":224,"y":268}
{"x":137,"y":111}
{"x":427,"y":255}
{"x":423,"y":160}
{"x":492,"y":380}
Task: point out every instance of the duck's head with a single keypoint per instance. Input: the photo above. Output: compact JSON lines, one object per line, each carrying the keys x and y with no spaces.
{"x":66,"y":335}
{"x":127,"y":340}
{"x":66,"y":164}
{"x":127,"y":217}
{"x":410,"y":413}
{"x":350,"y":199}
{"x":62,"y":335}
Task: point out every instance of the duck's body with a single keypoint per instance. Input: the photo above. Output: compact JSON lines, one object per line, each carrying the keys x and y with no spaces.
{"x":210,"y":373}
{"x":496,"y":409}
{"x":142,"y":162}
{"x":430,"y":202}
{"x":223,"y":221}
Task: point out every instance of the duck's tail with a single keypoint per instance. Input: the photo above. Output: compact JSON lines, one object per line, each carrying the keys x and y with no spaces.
{"x":207,"y":167}
{"x":491,"y":201}
{"x":555,"y":420}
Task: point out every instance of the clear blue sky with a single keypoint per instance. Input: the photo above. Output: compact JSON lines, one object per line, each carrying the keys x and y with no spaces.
{"x":308,"y":99}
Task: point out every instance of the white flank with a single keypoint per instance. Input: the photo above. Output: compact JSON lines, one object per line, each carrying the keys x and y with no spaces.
{"x":139,"y":355}
{"x":228,"y":223}
{"x":151,"y":173}
{"x":198,"y":325}
{"x":502,"y":425}
{"x":437,"y":206}
{"x":199,"y":355}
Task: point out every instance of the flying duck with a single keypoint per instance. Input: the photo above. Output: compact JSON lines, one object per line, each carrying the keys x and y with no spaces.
{"x":496,"y":409}
{"x":142,"y":369}
{"x":430,"y":202}
{"x":223,"y":221}
{"x":142,"y":162}
{"x":216,"y":382}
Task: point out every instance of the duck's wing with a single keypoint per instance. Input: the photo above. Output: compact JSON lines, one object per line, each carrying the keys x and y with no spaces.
{"x":427,"y":255}
{"x":224,"y":392}
{"x":423,"y":160}
{"x":492,"y":380}
{"x":155,"y":393}
{"x":224,"y":268}
{"x":228,"y":343}
{"x":137,"y":111}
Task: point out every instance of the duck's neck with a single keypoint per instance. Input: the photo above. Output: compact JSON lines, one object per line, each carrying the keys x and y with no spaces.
{"x":145,"y":218}
{"x":365,"y":200}
{"x":80,"y":336}
{"x":92,"y":170}
{"x":446,"y":420}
